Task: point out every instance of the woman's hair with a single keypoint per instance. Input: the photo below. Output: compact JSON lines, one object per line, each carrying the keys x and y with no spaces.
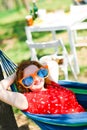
{"x":20,"y":71}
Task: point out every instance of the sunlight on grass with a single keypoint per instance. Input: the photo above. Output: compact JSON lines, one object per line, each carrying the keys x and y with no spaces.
{"x":18,"y":52}
{"x":12,"y":15}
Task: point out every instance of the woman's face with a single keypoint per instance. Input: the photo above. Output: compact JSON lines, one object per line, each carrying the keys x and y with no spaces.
{"x":38,"y":82}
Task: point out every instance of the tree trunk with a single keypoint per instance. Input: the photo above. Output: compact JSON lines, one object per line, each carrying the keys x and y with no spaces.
{"x":8,"y":4}
{"x":7,"y":119}
{"x":26,"y":4}
{"x":4,"y":4}
{"x":18,"y":4}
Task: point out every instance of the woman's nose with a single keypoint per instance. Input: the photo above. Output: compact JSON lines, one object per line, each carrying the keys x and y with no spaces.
{"x":36,"y":79}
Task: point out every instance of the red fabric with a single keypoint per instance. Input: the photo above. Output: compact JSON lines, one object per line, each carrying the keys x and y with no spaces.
{"x":55,"y":100}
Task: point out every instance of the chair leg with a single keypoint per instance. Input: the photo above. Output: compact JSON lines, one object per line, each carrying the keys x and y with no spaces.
{"x":67,"y":60}
{"x":71,"y":66}
{"x":65,"y":69}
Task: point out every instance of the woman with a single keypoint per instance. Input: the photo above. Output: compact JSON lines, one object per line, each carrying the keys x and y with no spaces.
{"x":43,"y":95}
{"x":18,"y":99}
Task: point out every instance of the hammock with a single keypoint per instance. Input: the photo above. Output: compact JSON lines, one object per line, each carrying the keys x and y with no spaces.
{"x":76,"y":121}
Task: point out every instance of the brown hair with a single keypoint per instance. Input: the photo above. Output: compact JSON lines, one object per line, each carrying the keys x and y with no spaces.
{"x":19,"y":74}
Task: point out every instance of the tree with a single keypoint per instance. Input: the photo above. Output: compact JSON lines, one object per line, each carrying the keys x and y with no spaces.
{"x":8,"y":4}
{"x":26,"y":4}
{"x":11,"y":4}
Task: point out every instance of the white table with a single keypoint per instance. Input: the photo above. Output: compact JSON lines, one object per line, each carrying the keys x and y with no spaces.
{"x":58,"y":21}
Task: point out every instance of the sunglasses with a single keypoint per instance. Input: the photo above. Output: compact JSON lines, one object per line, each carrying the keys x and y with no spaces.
{"x":28,"y":81}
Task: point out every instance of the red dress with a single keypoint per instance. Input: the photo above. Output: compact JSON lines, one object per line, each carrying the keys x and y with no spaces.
{"x":55,"y":100}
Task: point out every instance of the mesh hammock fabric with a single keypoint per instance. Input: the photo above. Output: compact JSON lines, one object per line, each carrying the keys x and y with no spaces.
{"x":76,"y":121}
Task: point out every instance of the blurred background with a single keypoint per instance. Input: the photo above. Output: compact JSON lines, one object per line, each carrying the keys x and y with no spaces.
{"x":12,"y":30}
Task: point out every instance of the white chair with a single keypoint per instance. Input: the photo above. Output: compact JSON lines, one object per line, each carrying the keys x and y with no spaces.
{"x":79,"y":40}
{"x":63,"y":60}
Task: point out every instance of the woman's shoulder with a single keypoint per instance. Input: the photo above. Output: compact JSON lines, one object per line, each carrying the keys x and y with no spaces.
{"x":52,"y":84}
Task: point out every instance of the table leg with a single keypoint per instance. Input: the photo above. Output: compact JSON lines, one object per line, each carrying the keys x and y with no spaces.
{"x":73,"y":50}
{"x":54,"y":35}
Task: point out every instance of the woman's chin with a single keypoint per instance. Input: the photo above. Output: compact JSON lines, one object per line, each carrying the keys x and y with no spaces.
{"x":37,"y":88}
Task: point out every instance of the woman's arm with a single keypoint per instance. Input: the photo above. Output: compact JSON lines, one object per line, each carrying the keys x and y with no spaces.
{"x":5,"y":83}
{"x":12,"y":98}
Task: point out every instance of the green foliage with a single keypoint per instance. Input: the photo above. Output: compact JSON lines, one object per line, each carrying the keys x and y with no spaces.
{"x":15,"y":110}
